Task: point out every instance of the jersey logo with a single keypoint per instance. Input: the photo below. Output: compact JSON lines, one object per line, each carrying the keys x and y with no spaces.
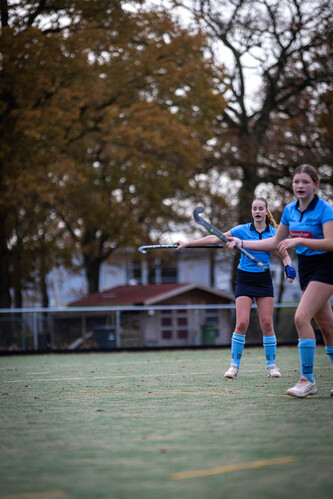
{"x":301,"y":233}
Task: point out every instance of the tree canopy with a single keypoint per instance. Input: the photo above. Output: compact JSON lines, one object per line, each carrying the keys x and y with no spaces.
{"x":278,"y":56}
{"x":116,"y":116}
{"x":105,"y":113}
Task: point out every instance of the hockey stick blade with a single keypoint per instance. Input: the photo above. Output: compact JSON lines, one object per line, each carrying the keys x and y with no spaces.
{"x":216,"y":232}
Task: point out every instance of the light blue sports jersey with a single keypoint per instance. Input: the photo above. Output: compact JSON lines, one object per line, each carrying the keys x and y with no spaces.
{"x":249,"y":233}
{"x":308,"y":224}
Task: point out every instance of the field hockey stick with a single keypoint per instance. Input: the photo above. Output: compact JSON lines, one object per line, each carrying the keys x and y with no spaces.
{"x":216,"y":232}
{"x":143,"y":249}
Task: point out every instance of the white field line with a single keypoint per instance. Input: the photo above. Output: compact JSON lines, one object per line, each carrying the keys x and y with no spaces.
{"x":116,"y":364}
{"x":134,"y":376}
{"x":139,"y":375}
{"x":37,"y":374}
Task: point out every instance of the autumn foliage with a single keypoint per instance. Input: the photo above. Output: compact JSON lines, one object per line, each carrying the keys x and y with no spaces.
{"x":105,"y":112}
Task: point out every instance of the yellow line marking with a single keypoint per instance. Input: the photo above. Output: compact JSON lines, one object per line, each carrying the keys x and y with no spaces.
{"x":190,"y":393}
{"x":231,"y":467}
{"x":273,"y":395}
{"x":50,"y":494}
{"x":89,"y":391}
{"x":203,"y":393}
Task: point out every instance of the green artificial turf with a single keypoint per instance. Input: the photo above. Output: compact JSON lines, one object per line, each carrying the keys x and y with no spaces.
{"x":126,"y":425}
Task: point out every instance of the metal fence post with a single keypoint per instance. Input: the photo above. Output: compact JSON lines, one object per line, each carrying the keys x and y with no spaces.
{"x":197,"y":339}
{"x":118,"y":326}
{"x":23,"y":338}
{"x":35,"y":330}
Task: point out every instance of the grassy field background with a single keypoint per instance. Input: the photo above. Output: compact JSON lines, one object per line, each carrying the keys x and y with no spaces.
{"x":161,"y":425}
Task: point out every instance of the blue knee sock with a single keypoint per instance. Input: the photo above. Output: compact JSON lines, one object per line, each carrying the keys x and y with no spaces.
{"x":269,"y":343}
{"x":329,"y":351}
{"x":237,"y":346}
{"x":306,"y":349}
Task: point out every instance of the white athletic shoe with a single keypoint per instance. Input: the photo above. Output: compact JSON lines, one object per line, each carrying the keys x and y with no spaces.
{"x":273,"y":372}
{"x":231,"y":372}
{"x":303,"y":388}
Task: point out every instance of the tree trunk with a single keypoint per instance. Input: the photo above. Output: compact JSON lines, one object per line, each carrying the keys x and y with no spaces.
{"x":44,"y":293}
{"x":18,"y":296}
{"x":212,"y":267}
{"x":42,"y":278}
{"x":246,"y":192}
{"x":5,"y":299}
{"x":92,"y":268}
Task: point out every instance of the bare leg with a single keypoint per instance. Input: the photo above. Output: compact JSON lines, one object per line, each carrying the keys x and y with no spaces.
{"x":243,"y":309}
{"x":265,"y":310}
{"x":324,"y":320}
{"x":265,"y":306}
{"x":315,"y":304}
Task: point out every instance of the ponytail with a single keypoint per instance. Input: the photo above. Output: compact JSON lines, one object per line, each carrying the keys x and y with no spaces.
{"x":271,"y":220}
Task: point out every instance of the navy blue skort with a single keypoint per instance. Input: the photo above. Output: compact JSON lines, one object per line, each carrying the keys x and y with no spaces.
{"x":315,"y":268}
{"x":253,"y":284}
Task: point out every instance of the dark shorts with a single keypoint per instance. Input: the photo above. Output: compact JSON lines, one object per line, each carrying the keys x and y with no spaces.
{"x":315,"y":268}
{"x":253,"y":284}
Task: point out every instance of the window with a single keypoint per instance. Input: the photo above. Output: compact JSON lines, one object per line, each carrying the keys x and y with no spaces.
{"x":134,"y":272}
{"x":182,"y":334}
{"x":174,"y":325}
{"x":181,"y":321}
{"x":163,"y":270}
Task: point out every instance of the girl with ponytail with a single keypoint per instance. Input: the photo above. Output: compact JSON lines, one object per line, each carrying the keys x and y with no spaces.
{"x":253,"y":283}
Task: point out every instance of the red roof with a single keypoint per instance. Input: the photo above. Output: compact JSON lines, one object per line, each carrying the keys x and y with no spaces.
{"x":141,"y":294}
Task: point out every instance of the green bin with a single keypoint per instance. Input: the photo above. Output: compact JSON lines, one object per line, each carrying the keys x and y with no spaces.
{"x":209,"y":333}
{"x":105,"y":336}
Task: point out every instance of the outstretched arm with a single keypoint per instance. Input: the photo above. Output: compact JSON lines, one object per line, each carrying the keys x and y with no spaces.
{"x":325,"y":244}
{"x":203,"y":240}
{"x":268,"y":244}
